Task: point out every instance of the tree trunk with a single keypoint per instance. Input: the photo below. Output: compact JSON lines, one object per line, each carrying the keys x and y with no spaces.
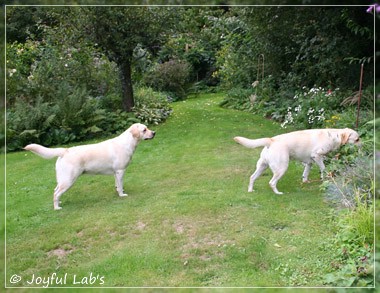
{"x":127,"y":99}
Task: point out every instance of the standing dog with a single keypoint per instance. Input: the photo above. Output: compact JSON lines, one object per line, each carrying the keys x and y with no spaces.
{"x":108,"y":157}
{"x":307,"y":146}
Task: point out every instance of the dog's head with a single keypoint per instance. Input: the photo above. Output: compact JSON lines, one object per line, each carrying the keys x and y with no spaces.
{"x":141,"y":132}
{"x":350,"y":136}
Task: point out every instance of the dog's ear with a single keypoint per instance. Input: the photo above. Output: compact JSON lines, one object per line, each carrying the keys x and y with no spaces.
{"x":344,"y":136}
{"x":135,"y":131}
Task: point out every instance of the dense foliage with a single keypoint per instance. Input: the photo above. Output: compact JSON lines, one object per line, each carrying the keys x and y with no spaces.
{"x":302,"y":61}
{"x":321,"y":49}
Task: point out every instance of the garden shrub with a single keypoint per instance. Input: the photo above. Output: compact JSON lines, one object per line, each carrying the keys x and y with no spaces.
{"x":27,"y":122}
{"x":319,"y":107}
{"x":261,"y":98}
{"x":151,"y":107}
{"x":348,"y":173}
{"x":351,"y":190}
{"x":316,"y":108}
{"x":310,"y":110}
{"x":353,"y":248}
{"x":78,"y":112}
{"x":238,"y":99}
{"x":170,"y":77}
{"x":110,"y":102}
{"x":73,"y":116}
{"x":76,"y":116}
{"x":303,"y":109}
{"x":59,"y":94}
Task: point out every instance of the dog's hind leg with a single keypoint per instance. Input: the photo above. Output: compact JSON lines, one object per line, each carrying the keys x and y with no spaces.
{"x":306,"y":171}
{"x":276,"y":177}
{"x":261,"y":166}
{"x":66,"y":176}
{"x":58,"y":191}
{"x":278,"y":165}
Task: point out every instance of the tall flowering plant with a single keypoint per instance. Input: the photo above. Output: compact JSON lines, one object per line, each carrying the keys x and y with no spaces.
{"x":311,"y":108}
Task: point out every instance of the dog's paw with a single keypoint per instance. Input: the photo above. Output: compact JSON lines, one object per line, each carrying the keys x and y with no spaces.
{"x":57,"y":208}
{"x":123,"y":195}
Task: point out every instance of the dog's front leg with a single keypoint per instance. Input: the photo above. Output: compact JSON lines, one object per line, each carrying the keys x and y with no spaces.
{"x":119,"y":174}
{"x":318,"y":158}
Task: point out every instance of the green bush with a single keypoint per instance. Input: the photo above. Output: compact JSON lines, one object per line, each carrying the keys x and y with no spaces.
{"x":110,"y":102}
{"x":170,"y":77}
{"x":151,"y":107}
{"x":349,"y":172}
{"x":76,"y":116}
{"x":26,"y":122}
{"x":352,"y":191}
{"x":57,"y":94}
{"x":73,"y":116}
{"x":311,"y":107}
{"x":239,"y":99}
{"x":302,"y":109}
{"x":352,"y":248}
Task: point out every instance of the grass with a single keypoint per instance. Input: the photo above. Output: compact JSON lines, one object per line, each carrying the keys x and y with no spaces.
{"x":188,"y":220}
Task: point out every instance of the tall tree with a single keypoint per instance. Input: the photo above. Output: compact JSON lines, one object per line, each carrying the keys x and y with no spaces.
{"x":118,"y":30}
{"x":312,"y":45}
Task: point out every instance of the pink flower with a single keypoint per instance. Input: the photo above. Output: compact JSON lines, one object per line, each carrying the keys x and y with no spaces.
{"x":375,"y":8}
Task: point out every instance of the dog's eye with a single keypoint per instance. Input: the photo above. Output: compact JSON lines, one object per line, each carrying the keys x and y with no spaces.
{"x":144,"y":130}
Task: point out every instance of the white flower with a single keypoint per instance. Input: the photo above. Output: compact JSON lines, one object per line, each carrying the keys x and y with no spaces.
{"x":255,"y":84}
{"x":288,"y":118}
{"x":12,"y":71}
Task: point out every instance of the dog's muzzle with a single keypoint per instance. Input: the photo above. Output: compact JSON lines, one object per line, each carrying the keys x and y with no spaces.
{"x":153,"y":135}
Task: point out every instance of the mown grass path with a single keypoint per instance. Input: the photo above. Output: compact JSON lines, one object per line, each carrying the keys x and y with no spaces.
{"x":188,"y":220}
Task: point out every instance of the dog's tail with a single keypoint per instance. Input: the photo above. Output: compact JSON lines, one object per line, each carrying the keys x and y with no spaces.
{"x":44,"y":152}
{"x":253,"y":143}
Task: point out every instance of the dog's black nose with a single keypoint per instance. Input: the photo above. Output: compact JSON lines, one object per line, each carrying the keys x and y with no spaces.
{"x":154,"y":133}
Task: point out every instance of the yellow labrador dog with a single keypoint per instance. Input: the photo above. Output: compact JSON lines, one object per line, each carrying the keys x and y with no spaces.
{"x":108,"y":157}
{"x":307,"y":146}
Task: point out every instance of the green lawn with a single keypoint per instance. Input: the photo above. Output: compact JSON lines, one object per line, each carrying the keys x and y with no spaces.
{"x":188,"y":220}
